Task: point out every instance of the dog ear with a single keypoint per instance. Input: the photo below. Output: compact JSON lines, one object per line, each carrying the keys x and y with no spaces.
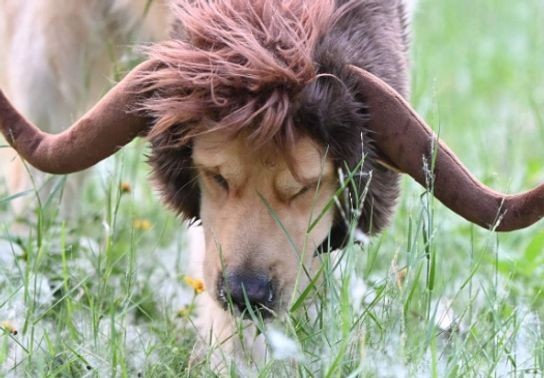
{"x":329,"y":112}
{"x":174,"y":175}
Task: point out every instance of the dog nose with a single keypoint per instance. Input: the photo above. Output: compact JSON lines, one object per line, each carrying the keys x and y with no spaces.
{"x":256,"y":287}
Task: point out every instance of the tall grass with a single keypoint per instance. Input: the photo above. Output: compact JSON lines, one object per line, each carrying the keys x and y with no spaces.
{"x":103,"y":295}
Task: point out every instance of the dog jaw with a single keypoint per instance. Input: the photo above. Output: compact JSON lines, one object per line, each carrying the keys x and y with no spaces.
{"x":256,"y":209}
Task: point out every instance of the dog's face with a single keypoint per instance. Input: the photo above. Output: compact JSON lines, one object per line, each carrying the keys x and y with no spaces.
{"x":257,"y":208}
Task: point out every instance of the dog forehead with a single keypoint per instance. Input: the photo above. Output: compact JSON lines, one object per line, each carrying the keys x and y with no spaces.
{"x":305,"y":159}
{"x":309,"y":160}
{"x":217,"y":149}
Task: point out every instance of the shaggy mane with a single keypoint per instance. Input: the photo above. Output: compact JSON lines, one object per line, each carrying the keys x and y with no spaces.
{"x":237,"y":66}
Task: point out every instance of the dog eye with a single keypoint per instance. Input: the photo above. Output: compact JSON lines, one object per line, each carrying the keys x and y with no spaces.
{"x":301,"y":192}
{"x":221,"y":181}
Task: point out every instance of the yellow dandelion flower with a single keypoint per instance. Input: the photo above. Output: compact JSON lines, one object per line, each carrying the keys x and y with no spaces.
{"x":125,"y":187}
{"x":8,"y":327}
{"x":196,"y":284}
{"x":141,"y":224}
{"x":186,"y":311}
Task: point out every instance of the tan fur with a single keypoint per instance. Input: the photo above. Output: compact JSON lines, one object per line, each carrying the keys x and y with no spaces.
{"x":242,"y":224}
{"x":240,"y":231}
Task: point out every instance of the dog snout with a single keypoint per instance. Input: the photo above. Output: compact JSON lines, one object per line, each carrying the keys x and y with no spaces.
{"x":240,"y":288}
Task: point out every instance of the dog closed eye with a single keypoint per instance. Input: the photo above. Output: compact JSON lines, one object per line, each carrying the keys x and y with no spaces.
{"x":220,"y":181}
{"x":303,"y":191}
{"x":214,"y":180}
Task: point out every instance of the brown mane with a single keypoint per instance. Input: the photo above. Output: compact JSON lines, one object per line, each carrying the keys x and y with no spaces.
{"x":237,"y":65}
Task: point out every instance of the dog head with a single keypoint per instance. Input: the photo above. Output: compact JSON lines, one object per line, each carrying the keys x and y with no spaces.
{"x":257,"y":210}
{"x":264,"y":131}
{"x":267,"y":125}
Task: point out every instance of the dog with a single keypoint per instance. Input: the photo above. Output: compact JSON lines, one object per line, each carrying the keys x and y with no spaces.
{"x":282,"y":127}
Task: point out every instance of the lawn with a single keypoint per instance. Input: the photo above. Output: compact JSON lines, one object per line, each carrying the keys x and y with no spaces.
{"x":104,"y":294}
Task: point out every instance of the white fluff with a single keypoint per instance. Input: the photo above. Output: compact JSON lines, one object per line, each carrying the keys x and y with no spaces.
{"x":282,"y":346}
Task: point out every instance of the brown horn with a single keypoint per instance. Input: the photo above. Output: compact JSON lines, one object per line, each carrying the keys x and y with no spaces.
{"x":406,"y":141}
{"x":98,"y":134}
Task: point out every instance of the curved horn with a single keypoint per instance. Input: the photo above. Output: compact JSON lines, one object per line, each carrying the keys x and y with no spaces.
{"x":405,"y":140}
{"x":98,"y":134}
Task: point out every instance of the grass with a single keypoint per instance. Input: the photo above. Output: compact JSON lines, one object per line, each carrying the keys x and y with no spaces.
{"x":431,"y":296}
